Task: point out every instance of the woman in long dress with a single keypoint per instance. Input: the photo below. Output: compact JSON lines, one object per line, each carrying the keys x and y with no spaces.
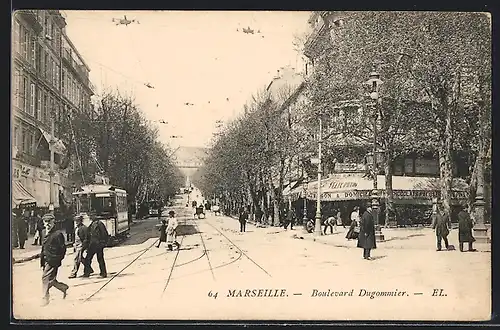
{"x":163,"y":232}
{"x":172,"y":231}
{"x":353,"y":231}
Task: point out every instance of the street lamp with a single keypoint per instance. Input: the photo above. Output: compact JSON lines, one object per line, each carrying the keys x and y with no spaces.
{"x":374,"y":82}
{"x":317,"y":224}
{"x":306,"y":182}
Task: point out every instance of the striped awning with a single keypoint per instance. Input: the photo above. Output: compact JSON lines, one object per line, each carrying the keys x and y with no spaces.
{"x":59,"y":146}
{"x":21,"y":196}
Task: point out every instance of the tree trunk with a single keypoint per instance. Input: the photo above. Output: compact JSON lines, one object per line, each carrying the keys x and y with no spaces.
{"x":445,"y":170}
{"x":389,"y":197}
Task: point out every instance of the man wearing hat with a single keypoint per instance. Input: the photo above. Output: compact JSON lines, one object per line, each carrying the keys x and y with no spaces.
{"x":80,"y":246}
{"x":53,"y":252}
{"x":171,"y":231}
{"x":366,"y":237}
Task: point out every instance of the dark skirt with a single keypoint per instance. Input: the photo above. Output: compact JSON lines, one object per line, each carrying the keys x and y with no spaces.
{"x":351,"y":234}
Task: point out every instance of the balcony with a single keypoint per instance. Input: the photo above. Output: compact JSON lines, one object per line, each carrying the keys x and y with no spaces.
{"x":31,"y":17}
{"x":29,"y":159}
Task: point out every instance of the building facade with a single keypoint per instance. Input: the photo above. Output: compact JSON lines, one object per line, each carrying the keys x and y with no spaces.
{"x":47,"y":85}
{"x":346,"y":179}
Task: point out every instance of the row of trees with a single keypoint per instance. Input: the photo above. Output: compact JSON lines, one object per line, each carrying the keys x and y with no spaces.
{"x":436,"y":97}
{"x":116,"y":140}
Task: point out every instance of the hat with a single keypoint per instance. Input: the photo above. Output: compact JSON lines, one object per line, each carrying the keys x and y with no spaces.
{"x":48,"y":217}
{"x":171,"y":213}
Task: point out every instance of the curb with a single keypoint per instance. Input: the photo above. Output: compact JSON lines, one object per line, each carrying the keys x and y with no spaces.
{"x":33,"y":257}
{"x":37,"y":255}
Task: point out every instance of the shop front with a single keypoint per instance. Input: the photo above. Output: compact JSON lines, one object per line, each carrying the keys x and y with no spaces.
{"x":412,"y":196}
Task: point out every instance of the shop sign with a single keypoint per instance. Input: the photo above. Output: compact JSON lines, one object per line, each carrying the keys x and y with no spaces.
{"x":43,"y":175}
{"x":350,"y":168}
{"x":16,"y":173}
{"x":425,"y":166}
{"x":26,"y":171}
{"x":339,"y":185}
{"x":426,"y":194}
{"x":415,"y":194}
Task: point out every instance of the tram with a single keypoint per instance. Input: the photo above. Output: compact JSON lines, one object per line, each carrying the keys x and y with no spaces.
{"x":153,"y":207}
{"x":108,"y":203}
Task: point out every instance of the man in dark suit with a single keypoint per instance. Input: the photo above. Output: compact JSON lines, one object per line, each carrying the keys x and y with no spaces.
{"x":465,"y":225}
{"x":243,"y":219}
{"x":53,"y":252}
{"x":98,"y":238}
{"x":366,"y":238}
{"x":440,"y":224}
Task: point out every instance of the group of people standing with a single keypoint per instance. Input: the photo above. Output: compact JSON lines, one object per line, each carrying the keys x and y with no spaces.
{"x":22,"y":221}
{"x":363,"y":229}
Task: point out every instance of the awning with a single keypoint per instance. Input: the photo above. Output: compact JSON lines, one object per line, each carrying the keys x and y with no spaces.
{"x":343,"y":187}
{"x":21,"y":196}
{"x":289,"y":187}
{"x":59,"y":146}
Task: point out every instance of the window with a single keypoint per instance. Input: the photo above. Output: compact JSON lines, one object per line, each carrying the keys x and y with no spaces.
{"x":39,"y":104}
{"x":17,"y":35}
{"x":30,"y":143}
{"x":63,"y":82}
{"x":50,"y":111}
{"x":46,"y":64}
{"x":25,"y":93}
{"x":17,"y":87}
{"x":33,"y":53}
{"x":15,"y":138}
{"x":58,"y":68}
{"x":21,"y":146}
{"x":32,"y":99}
{"x":25,"y":42}
{"x":45,"y":107}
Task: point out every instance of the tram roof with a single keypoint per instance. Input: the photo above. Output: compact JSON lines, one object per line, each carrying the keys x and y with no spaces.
{"x":98,"y":188}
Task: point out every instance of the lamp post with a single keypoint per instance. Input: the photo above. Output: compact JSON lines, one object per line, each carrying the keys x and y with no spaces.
{"x":317,"y":224}
{"x":52,"y":173}
{"x":304,"y":218}
{"x":374,"y":82}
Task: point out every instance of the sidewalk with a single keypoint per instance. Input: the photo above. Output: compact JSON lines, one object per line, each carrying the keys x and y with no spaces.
{"x":414,"y":238}
{"x":31,"y":252}
{"x":420,"y":238}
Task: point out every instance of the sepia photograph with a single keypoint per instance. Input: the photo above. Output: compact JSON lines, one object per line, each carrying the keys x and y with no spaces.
{"x":251,"y":165}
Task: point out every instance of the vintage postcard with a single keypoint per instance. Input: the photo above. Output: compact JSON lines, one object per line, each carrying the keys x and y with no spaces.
{"x":251,"y":165}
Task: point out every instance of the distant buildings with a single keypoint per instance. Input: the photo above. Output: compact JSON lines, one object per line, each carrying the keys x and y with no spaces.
{"x":50,"y":81}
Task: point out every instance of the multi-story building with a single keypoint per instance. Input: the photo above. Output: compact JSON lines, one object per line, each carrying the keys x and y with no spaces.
{"x":49,"y":80}
{"x":345,"y":182}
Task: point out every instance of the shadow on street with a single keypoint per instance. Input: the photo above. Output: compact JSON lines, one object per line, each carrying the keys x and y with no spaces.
{"x":141,"y":236}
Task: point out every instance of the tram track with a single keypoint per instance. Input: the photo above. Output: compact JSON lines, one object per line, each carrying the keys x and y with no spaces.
{"x":107,"y":282}
{"x":175,"y":263}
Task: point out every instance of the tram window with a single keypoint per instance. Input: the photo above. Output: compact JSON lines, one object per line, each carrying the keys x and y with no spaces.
{"x":102,"y":204}
{"x":121,"y":203}
{"x":84,"y":203}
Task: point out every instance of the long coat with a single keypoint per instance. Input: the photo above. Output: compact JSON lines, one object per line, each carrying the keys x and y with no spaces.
{"x":172,"y":230}
{"x":163,"y":233}
{"x":465,"y":227}
{"x":439,"y":223}
{"x":366,"y":238}
{"x":22,"y":229}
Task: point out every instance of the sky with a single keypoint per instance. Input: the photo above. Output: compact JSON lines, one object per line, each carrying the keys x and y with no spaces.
{"x":187,"y":56}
